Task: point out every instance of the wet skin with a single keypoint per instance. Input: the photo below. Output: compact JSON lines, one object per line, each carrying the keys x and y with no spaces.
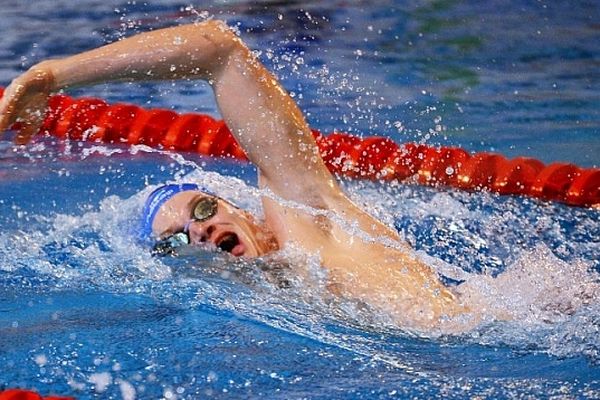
{"x":231,"y":229}
{"x":267,"y":123}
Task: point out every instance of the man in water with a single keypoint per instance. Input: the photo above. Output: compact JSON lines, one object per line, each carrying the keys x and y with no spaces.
{"x":302,"y":201}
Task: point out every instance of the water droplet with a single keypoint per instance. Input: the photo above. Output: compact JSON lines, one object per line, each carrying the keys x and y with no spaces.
{"x":41,"y":360}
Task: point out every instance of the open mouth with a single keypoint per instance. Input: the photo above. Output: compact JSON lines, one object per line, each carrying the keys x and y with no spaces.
{"x":230,"y":243}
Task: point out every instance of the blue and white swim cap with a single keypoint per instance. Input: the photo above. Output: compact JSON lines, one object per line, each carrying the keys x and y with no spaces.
{"x":159,"y":197}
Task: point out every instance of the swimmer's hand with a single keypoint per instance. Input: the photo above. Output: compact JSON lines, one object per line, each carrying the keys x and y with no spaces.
{"x":25,"y":101}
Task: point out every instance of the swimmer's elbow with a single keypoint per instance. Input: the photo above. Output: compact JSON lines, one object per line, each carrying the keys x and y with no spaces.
{"x":216,"y":25}
{"x":221,"y":42}
{"x":222,"y":37}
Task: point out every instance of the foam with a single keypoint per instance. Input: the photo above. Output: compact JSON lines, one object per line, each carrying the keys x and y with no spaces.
{"x":547,"y":302}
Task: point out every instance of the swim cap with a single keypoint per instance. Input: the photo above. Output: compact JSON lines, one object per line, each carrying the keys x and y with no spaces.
{"x":159,"y":197}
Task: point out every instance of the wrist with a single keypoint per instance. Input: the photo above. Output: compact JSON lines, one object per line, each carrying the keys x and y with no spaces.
{"x":42,"y":77}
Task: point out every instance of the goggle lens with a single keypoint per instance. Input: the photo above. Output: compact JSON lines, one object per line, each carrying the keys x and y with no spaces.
{"x":169,"y":244}
{"x":205,"y":209}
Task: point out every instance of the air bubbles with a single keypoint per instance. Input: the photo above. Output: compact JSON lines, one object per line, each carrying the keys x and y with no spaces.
{"x":101,"y":381}
{"x":40,"y":359}
{"x":212,"y":377}
{"x":399,"y":126}
{"x":127,"y":390}
{"x":201,"y":15}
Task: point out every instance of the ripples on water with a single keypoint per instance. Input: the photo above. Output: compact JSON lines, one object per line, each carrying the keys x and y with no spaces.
{"x":73,"y":254}
{"x":84,"y":309}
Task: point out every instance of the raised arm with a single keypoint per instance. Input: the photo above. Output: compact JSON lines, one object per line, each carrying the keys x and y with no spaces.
{"x":261,"y":115}
{"x":264,"y":119}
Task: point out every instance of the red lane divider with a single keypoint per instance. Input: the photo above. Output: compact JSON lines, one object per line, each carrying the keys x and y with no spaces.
{"x":369,"y":158}
{"x":517,"y":176}
{"x":479,"y":171}
{"x":20,"y":394}
{"x":78,"y":118}
{"x":585,"y":188}
{"x":441,"y":166}
{"x":150,"y":128}
{"x":554,"y":181}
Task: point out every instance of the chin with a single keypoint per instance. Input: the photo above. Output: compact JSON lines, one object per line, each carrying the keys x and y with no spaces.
{"x":255,"y":241}
{"x":250,"y":249}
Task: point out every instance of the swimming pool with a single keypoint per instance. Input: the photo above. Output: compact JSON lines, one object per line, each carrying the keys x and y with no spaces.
{"x":87,"y":312}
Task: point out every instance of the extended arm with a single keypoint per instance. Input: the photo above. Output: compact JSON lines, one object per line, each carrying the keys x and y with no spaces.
{"x":262,"y":116}
{"x":264,"y":119}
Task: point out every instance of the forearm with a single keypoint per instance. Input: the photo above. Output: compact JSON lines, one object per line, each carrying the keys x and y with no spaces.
{"x":262,"y":116}
{"x":264,"y":119}
{"x":188,"y":51}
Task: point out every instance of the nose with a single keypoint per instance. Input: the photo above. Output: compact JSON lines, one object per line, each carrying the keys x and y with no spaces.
{"x":200,"y":232}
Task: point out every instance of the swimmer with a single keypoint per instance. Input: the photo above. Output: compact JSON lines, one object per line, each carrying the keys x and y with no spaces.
{"x":275,"y":136}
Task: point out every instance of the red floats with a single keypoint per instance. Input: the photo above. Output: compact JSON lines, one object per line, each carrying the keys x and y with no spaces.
{"x":183,"y":133}
{"x":56,"y":106}
{"x":151,"y":127}
{"x":20,"y":394}
{"x":344,"y":154}
{"x":215,"y":138}
{"x":113,"y":126}
{"x":517,"y":176}
{"x":585,"y":189}
{"x":405,"y":161}
{"x":77,"y":120}
{"x":371,"y":155}
{"x":479,"y":172}
{"x":554,"y":180}
{"x":441,"y":166}
{"x":337,"y":157}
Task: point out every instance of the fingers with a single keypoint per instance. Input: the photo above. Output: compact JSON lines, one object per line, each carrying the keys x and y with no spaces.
{"x":3,"y":124}
{"x":28,"y":129}
{"x":9,"y":104}
{"x":7,"y":119}
{"x":6,"y":112}
{"x":25,"y":101}
{"x":32,"y":117}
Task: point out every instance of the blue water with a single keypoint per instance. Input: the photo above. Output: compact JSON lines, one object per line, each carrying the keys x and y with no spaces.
{"x":85,"y":311}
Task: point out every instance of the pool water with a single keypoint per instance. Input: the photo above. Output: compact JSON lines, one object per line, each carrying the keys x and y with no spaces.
{"x":85,"y":311}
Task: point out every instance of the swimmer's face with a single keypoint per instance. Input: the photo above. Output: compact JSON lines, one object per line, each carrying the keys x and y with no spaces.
{"x":230,"y":229}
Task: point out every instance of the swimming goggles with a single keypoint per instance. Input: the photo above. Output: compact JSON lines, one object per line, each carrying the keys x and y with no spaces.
{"x":205,"y":209}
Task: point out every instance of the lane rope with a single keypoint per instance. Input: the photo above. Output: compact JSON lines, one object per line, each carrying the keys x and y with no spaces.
{"x":21,"y":394}
{"x":376,"y":157}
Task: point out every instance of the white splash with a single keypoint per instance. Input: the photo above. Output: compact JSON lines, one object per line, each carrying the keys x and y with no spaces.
{"x":537,"y":288}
